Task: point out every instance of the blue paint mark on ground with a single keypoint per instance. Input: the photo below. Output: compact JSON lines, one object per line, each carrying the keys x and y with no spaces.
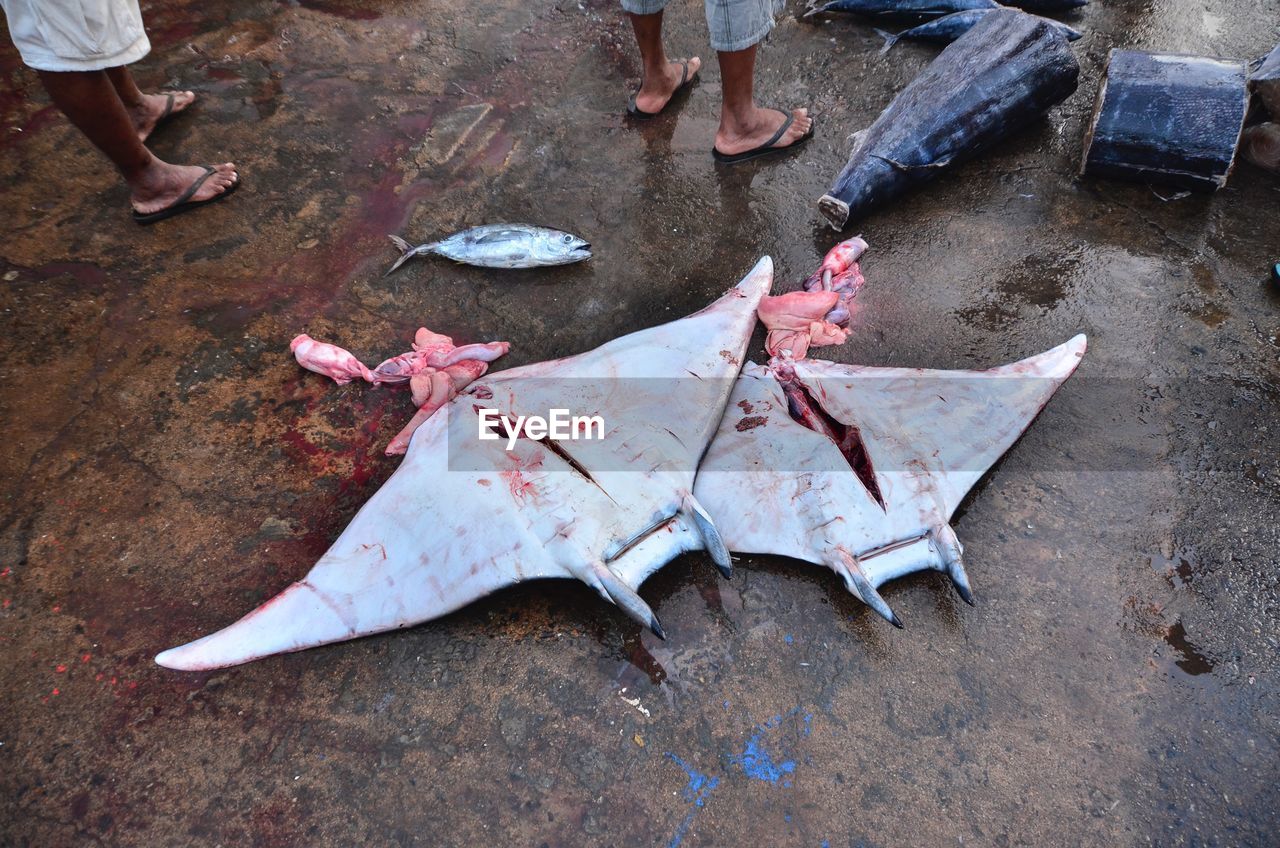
{"x":756,"y":761}
{"x":696,"y":791}
{"x":788,"y":639}
{"x":700,"y":785}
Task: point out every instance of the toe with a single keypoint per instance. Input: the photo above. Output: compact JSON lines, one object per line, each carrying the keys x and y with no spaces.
{"x":801,"y":125}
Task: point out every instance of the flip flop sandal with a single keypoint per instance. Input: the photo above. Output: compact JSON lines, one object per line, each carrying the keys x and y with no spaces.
{"x":685,"y":81}
{"x":168,"y":110}
{"x":185,"y":203}
{"x":766,"y":149}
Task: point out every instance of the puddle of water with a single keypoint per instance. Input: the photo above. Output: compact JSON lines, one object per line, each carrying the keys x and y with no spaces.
{"x":1193,"y":662}
{"x":1038,"y":282}
{"x":1179,"y":567}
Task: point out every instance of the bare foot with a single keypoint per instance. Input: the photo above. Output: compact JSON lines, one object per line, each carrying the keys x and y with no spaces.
{"x":656,"y":89}
{"x":755,"y":129}
{"x":161,"y":184}
{"x":151,"y":109}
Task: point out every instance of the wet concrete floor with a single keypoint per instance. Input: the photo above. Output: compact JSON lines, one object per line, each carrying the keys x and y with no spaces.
{"x":166,"y":465}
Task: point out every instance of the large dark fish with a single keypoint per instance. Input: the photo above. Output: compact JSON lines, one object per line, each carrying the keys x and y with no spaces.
{"x":1260,"y":144}
{"x":1167,"y":119}
{"x":900,"y":8}
{"x":1265,"y":82}
{"x":1047,"y":5}
{"x":950,"y":27}
{"x":1002,"y":74}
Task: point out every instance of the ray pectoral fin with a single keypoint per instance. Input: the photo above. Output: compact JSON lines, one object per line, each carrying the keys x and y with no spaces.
{"x":616,"y":591}
{"x":855,"y":579}
{"x":711,"y":539}
{"x":944,"y":542}
{"x":299,"y":617}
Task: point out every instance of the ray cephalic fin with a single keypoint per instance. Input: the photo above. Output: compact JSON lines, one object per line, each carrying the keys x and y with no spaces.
{"x":710,"y":536}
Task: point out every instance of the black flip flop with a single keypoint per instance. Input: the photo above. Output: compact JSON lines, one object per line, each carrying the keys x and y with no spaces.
{"x":685,"y":81}
{"x":766,"y":149}
{"x":168,"y":111}
{"x":185,"y":203}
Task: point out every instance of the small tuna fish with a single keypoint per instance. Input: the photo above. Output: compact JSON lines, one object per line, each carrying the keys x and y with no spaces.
{"x":901,"y":8}
{"x":502,"y":246}
{"x":948,"y":28}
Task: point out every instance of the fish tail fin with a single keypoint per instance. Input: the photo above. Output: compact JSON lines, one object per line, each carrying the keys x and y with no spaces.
{"x":889,"y":40}
{"x":815,"y":8}
{"x":407,"y":251}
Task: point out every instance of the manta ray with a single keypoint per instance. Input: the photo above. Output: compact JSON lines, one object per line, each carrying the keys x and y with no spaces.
{"x":858,"y":469}
{"x":463,"y":517}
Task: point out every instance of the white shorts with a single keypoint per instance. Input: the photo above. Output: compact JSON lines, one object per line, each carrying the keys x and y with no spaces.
{"x":76,"y":35}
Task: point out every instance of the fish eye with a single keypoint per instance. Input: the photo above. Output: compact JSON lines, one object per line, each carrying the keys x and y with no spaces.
{"x":567,"y":238}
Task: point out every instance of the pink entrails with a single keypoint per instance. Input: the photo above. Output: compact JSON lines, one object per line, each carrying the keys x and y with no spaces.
{"x":795,"y":321}
{"x":329,"y":360}
{"x":436,"y":370}
{"x":819,"y":315}
{"x":434,"y":390}
{"x":838,"y":260}
{"x":434,"y":351}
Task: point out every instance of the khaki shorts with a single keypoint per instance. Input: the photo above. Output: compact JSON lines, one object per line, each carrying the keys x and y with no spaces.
{"x":76,"y":35}
{"x":734,"y":24}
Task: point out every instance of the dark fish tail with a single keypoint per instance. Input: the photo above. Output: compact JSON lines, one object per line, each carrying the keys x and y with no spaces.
{"x":407,"y":251}
{"x":815,"y":8}
{"x":889,"y":40}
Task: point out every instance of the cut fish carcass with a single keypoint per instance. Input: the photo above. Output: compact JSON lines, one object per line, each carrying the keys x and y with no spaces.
{"x":868,"y":485}
{"x":461,"y":517}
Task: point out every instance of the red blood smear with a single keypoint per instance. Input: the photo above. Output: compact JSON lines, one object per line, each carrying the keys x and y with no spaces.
{"x":60,"y":668}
